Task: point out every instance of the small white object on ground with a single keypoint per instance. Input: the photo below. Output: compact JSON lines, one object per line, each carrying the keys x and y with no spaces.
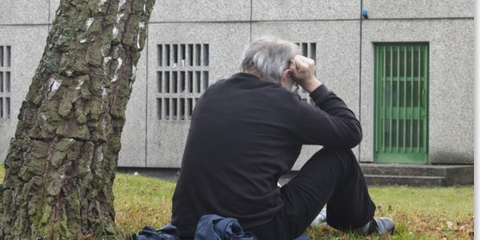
{"x":321,"y":218}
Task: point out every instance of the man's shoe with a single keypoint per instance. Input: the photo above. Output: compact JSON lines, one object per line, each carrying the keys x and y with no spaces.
{"x":380,"y":226}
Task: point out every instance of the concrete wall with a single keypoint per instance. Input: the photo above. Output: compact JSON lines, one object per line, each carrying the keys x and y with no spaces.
{"x":26,"y":35}
{"x":344,"y":55}
{"x":448,"y":28}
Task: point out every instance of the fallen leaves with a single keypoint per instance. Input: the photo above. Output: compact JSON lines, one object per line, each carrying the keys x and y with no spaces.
{"x":438,"y":227}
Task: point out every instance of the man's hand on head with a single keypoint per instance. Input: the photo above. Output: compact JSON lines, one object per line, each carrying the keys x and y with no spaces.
{"x":303,"y":73}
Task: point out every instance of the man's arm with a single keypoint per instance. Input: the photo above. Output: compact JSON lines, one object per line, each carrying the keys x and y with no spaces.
{"x":331,"y":123}
{"x":303,"y":73}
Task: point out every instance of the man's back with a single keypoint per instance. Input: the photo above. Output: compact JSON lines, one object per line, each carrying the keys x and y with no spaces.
{"x":244,"y":135}
{"x":241,"y":141}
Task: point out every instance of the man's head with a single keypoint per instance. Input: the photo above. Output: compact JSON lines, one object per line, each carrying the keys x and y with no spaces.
{"x":269,"y":57}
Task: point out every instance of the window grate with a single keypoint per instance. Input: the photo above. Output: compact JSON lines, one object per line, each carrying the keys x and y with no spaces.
{"x":401,"y":102}
{"x":308,"y":50}
{"x":5,"y":81}
{"x":182,"y":76}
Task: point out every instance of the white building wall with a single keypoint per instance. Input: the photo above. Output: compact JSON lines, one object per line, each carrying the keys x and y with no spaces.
{"x":448,"y":27}
{"x":344,"y":56}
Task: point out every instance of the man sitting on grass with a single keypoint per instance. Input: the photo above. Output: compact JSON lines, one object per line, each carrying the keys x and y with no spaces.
{"x":248,"y":130}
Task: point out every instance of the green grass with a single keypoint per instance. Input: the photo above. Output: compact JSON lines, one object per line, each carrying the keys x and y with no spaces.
{"x":141,"y":201}
{"x":419,"y":213}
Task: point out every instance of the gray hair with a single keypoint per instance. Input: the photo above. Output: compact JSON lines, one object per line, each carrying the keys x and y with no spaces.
{"x":269,"y":56}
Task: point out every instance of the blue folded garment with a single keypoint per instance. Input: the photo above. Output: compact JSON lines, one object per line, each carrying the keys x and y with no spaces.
{"x":210,"y":227}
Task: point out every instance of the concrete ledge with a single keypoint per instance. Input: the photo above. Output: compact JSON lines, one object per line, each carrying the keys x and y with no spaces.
{"x":418,"y":175}
{"x":393,"y":180}
{"x":375,"y":174}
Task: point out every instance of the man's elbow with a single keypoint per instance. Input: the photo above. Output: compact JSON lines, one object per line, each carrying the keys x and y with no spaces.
{"x":357,"y":139}
{"x":355,"y":136}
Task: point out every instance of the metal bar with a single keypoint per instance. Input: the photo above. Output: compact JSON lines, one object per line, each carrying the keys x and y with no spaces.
{"x":376,"y":101}
{"x":397,"y":103}
{"x":382,"y":99}
{"x":376,"y":92}
{"x":418,"y":94}
{"x":427,"y":90}
{"x":412,"y":96}
{"x":390,"y":100}
{"x":424,"y":98}
{"x":195,"y":82}
{"x":405,"y":99}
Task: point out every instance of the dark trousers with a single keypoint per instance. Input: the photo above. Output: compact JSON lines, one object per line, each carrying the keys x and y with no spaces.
{"x":332,"y":177}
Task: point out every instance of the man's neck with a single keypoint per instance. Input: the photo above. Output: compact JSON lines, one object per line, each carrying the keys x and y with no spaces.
{"x":254,"y":72}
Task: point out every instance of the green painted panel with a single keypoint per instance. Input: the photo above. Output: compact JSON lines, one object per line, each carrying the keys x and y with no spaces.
{"x":401,"y":102}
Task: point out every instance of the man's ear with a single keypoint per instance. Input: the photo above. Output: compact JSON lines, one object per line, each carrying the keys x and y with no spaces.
{"x":284,"y":76}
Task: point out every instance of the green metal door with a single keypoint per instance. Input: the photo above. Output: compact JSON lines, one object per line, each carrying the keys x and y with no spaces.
{"x":401,"y":102}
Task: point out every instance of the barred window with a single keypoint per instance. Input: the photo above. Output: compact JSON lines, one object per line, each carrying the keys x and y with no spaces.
{"x":182,"y":76}
{"x":5,"y":81}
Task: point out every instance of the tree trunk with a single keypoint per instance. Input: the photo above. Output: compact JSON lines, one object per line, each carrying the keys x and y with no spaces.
{"x":62,"y":161}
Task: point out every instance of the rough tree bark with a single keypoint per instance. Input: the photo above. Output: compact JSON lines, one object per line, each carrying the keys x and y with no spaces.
{"x":62,"y":161}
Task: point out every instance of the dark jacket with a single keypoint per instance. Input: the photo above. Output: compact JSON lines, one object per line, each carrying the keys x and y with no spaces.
{"x":210,"y":227}
{"x":245,"y":134}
